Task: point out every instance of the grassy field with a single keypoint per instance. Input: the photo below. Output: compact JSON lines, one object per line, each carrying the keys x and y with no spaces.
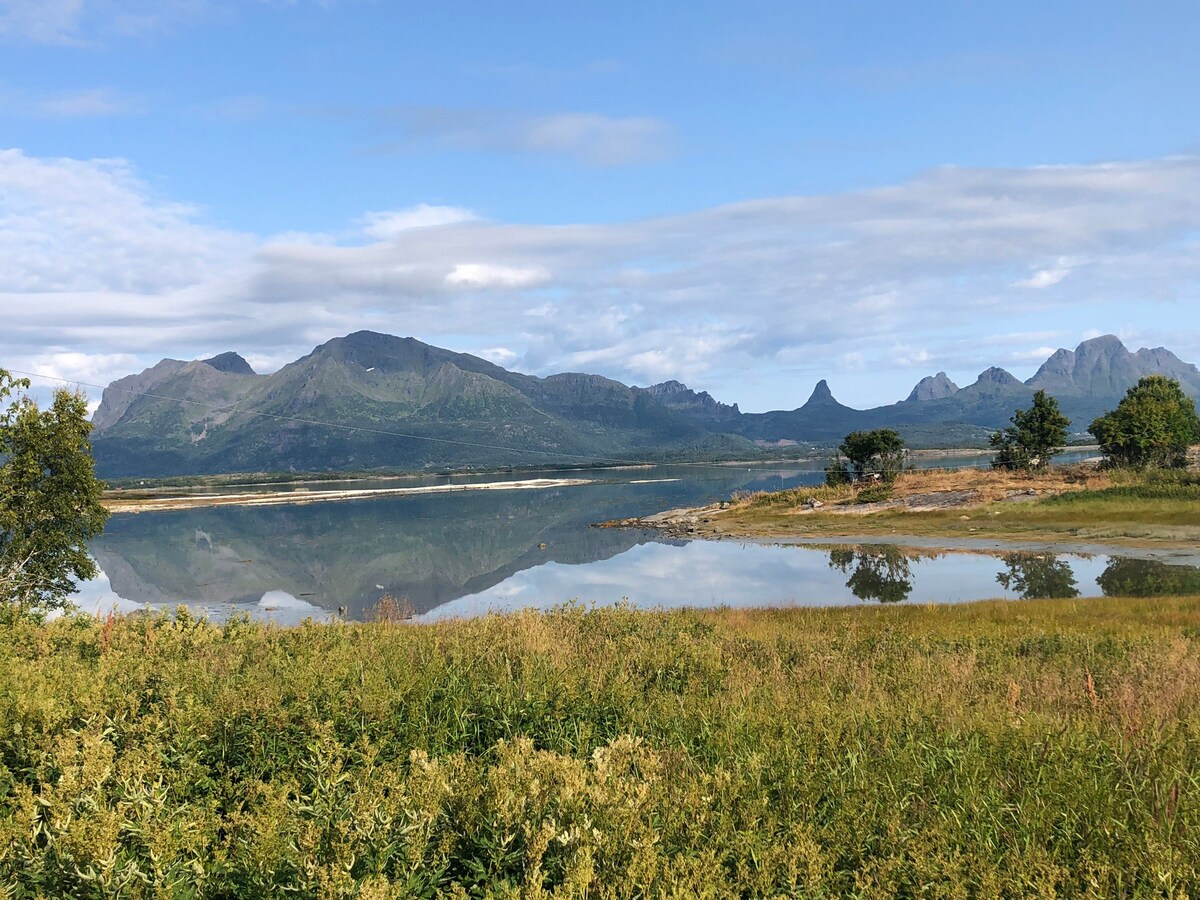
{"x":992,"y":750}
{"x":1071,"y":505}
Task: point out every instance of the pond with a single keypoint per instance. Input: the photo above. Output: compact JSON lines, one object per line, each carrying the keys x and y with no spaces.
{"x":466,"y":553}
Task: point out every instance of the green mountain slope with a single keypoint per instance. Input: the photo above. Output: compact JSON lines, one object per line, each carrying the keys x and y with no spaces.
{"x":369,"y":401}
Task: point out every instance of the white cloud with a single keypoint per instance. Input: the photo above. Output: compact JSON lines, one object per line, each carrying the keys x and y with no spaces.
{"x":1035,"y":355}
{"x":590,"y":138}
{"x":1049,"y":277}
{"x":41,"y":21}
{"x":485,"y":275}
{"x":91,"y":226}
{"x":390,"y":223}
{"x":910,"y":357}
{"x":776,"y":291}
{"x":85,"y":21}
{"x":598,"y":140}
{"x":74,"y":104}
{"x":88,"y":103}
{"x":501,"y":356}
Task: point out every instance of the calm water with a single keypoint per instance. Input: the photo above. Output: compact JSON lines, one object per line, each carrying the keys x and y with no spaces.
{"x":466,"y":553}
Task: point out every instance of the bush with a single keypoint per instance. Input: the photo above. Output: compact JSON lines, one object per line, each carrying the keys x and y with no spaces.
{"x":876,"y":493}
{"x":836,"y":474}
{"x":1153,"y":425}
{"x":1035,"y":435}
{"x":1000,"y":749}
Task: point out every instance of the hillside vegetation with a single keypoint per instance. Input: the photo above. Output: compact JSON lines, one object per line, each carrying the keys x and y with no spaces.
{"x":991,"y":750}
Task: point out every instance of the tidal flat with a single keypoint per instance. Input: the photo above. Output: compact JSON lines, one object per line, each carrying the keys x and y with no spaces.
{"x":996,"y":749}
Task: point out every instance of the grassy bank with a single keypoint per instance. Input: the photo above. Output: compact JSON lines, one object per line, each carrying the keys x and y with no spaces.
{"x":1069,"y":505}
{"x":998,"y":749}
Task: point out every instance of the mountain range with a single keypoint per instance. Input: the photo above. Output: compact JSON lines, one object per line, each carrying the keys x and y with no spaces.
{"x":370,"y":401}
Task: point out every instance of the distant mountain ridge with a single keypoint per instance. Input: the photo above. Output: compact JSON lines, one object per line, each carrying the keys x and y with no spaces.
{"x":370,"y":400}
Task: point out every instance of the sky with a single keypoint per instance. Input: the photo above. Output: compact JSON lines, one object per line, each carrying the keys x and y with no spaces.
{"x":746,"y":197}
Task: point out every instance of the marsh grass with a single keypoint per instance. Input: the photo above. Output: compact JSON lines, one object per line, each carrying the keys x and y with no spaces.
{"x":991,"y":750}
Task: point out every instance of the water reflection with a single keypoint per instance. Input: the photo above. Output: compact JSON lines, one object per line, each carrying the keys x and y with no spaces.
{"x":468,"y":552}
{"x":1038,"y":575}
{"x":880,"y":571}
{"x":1126,"y":577}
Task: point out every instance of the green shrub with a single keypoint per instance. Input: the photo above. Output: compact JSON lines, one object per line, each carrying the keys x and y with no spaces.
{"x":991,"y":750}
{"x":876,"y":493}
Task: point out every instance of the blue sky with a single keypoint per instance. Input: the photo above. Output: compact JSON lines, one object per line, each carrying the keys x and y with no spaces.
{"x":746,"y":196}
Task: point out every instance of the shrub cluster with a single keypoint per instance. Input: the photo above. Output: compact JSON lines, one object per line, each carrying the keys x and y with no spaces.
{"x":993,"y":750}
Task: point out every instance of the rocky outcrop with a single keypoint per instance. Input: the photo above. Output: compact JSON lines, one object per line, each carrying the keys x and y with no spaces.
{"x":678,"y":396}
{"x":933,"y":387}
{"x":230,"y":363}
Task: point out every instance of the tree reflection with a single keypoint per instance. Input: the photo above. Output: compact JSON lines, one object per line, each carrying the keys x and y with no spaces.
{"x":1037,"y":576}
{"x":881,"y":571}
{"x":1125,"y":577}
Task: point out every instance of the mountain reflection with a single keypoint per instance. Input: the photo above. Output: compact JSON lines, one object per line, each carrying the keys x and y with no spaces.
{"x":464,"y":553}
{"x":427,"y":549}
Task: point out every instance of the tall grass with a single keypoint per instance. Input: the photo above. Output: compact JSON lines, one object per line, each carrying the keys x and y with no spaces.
{"x":1002,"y":749}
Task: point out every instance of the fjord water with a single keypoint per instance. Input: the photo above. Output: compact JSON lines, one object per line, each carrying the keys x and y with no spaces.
{"x":466,"y":553}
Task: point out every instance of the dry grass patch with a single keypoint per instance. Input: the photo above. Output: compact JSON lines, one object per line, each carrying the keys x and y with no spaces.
{"x":997,"y":484}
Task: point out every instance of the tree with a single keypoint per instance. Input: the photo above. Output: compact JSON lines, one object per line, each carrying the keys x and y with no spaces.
{"x":873,"y":452}
{"x":49,"y":497}
{"x":1035,"y":435}
{"x":1153,"y":425}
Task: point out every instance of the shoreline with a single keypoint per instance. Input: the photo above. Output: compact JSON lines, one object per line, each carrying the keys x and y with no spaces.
{"x":303,"y":496}
{"x":969,"y":510}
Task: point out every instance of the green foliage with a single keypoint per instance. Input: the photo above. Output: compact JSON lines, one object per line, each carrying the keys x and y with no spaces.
{"x":876,"y":493}
{"x":1032,"y":749}
{"x":1035,"y":435}
{"x":837,"y":474}
{"x":879,"y":452}
{"x":49,"y":498}
{"x":1153,"y":485}
{"x":1152,"y":426}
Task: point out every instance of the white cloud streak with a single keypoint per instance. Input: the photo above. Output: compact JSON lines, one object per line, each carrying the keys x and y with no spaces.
{"x":916,"y":274}
{"x":593,"y":139}
{"x":83,"y":22}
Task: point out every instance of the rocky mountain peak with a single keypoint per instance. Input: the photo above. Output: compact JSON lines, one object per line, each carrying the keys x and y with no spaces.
{"x":667,"y":388}
{"x":821,"y":394}
{"x":1104,"y":345}
{"x":678,"y":396}
{"x":933,"y":387}
{"x":230,"y":363}
{"x":997,"y":376}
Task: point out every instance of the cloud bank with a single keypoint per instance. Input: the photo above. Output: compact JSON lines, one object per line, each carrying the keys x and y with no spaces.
{"x":955,"y":268}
